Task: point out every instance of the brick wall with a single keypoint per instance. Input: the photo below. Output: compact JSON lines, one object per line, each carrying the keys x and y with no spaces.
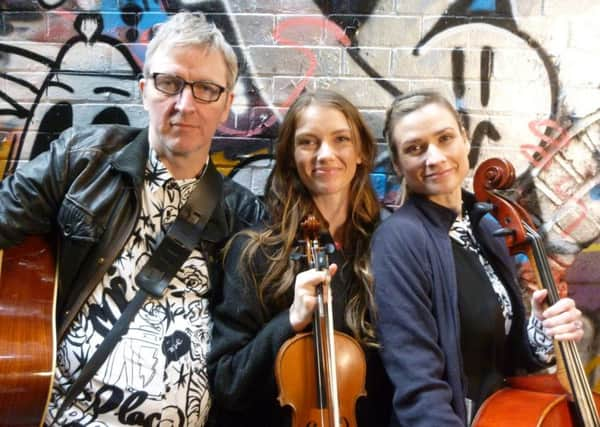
{"x":525,"y":74}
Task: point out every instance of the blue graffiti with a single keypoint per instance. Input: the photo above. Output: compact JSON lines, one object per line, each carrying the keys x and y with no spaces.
{"x":483,"y":5}
{"x":595,"y":193}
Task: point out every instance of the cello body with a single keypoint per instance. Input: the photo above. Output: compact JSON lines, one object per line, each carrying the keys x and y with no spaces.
{"x":531,"y":400}
{"x":27,"y":331}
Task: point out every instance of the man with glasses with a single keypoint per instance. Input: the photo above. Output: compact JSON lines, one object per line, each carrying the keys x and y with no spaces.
{"x":110,"y":194}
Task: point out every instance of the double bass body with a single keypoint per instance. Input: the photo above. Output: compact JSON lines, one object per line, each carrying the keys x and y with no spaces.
{"x":563,"y":399}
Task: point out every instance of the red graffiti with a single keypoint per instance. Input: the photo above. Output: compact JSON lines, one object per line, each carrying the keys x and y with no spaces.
{"x":279,"y":37}
{"x":572,"y":226}
{"x":546,"y":152}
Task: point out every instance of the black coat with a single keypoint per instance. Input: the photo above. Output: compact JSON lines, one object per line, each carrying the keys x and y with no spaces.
{"x":418,"y":319}
{"x":85,"y":189}
{"x":247,"y":338}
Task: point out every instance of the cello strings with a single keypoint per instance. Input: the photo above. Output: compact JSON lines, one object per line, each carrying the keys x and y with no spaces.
{"x":576,"y":374}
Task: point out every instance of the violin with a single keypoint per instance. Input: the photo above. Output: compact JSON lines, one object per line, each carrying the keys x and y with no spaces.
{"x":320,"y":374}
{"x":565,"y":398}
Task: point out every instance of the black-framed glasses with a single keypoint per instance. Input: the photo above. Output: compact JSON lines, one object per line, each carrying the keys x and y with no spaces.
{"x":202,"y":90}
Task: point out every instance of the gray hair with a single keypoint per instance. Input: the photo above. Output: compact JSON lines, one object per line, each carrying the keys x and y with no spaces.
{"x":192,"y":29}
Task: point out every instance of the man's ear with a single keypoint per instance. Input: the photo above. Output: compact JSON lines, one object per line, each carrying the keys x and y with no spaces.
{"x":142,"y":86}
{"x":228,"y":104}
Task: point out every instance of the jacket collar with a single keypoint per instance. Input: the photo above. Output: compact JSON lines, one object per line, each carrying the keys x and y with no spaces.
{"x":132,"y":158}
{"x":445,"y":217}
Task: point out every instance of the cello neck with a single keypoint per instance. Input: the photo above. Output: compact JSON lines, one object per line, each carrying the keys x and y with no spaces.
{"x":570,"y":371}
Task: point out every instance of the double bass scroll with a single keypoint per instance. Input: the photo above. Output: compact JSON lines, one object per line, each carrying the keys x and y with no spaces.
{"x":562,"y":400}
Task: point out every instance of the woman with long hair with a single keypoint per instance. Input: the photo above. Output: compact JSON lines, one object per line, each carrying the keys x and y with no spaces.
{"x":325,"y":153}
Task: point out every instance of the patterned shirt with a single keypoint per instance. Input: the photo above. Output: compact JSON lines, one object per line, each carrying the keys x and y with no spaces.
{"x":462,"y":233}
{"x":156,"y":374}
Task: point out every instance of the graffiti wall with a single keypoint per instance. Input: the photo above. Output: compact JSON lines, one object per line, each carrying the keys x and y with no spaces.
{"x":523,"y":73}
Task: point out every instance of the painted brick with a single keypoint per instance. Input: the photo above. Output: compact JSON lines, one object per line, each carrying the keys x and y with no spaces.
{"x":255,"y":29}
{"x":399,"y":31}
{"x":301,"y":30}
{"x":298,"y":7}
{"x":290,"y":61}
{"x":283,"y":88}
{"x":23,"y":25}
{"x":20,"y":90}
{"x":566,"y":8}
{"x":549,"y":33}
{"x":420,"y":7}
{"x":379,"y":60}
{"x":247,"y":90}
{"x":16,"y":62}
{"x":580,"y":67}
{"x":375,"y":120}
{"x":582,"y":29}
{"x":253,"y":6}
{"x":364,"y":93}
{"x":430,"y":63}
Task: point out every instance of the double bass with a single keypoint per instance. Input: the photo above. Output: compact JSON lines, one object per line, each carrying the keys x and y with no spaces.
{"x":320,"y":374}
{"x":563,"y":399}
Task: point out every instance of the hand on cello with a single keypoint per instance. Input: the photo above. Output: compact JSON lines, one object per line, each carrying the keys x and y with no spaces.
{"x":305,"y":295}
{"x":562,"y":321}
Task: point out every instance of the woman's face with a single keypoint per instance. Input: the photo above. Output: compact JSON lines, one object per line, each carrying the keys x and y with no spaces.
{"x":432,"y":154}
{"x":325,"y":152}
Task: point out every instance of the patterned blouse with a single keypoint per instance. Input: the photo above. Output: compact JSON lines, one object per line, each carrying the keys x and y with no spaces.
{"x":462,"y":233}
{"x":156,"y":375}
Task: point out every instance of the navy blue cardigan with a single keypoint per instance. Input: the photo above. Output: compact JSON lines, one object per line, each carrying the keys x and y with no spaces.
{"x":418,"y":320}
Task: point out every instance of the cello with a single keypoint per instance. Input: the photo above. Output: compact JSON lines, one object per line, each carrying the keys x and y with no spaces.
{"x":320,"y":374}
{"x":562,"y":399}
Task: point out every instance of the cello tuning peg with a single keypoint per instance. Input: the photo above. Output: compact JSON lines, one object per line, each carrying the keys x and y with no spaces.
{"x":503,"y":232}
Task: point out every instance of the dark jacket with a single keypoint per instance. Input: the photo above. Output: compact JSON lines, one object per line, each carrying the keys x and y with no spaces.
{"x":418,"y":318}
{"x":247,"y":338}
{"x":86,"y":190}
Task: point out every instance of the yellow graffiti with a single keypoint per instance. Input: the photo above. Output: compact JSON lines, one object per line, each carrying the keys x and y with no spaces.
{"x":225,"y":165}
{"x":594,"y":247}
{"x":4,"y":151}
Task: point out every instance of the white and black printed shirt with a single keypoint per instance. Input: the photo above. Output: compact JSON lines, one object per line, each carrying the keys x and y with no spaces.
{"x":462,"y":233}
{"x":156,"y":375}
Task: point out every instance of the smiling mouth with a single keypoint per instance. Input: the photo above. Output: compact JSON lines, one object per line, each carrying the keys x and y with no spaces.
{"x":328,"y":171}
{"x":184,"y":125}
{"x":440,"y":174}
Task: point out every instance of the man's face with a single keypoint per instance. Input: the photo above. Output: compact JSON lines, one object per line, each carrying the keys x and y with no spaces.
{"x":180,"y":126}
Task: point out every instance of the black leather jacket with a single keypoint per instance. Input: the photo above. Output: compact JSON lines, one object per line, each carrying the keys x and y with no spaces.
{"x":86,"y":190}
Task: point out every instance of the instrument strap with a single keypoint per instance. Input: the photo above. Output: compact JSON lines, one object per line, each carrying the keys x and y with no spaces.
{"x":181,"y":238}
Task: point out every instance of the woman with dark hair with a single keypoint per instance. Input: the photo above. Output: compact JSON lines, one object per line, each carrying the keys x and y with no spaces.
{"x":451,"y":320}
{"x":325,"y":153}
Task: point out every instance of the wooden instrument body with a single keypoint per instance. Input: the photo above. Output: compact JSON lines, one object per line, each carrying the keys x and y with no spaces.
{"x":27,"y":332}
{"x":320,"y":374}
{"x":564,"y":399}
{"x":298,"y":385}
{"x":532,"y":400}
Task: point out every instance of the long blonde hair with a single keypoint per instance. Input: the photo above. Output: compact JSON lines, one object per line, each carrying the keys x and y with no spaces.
{"x":289,"y":202}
